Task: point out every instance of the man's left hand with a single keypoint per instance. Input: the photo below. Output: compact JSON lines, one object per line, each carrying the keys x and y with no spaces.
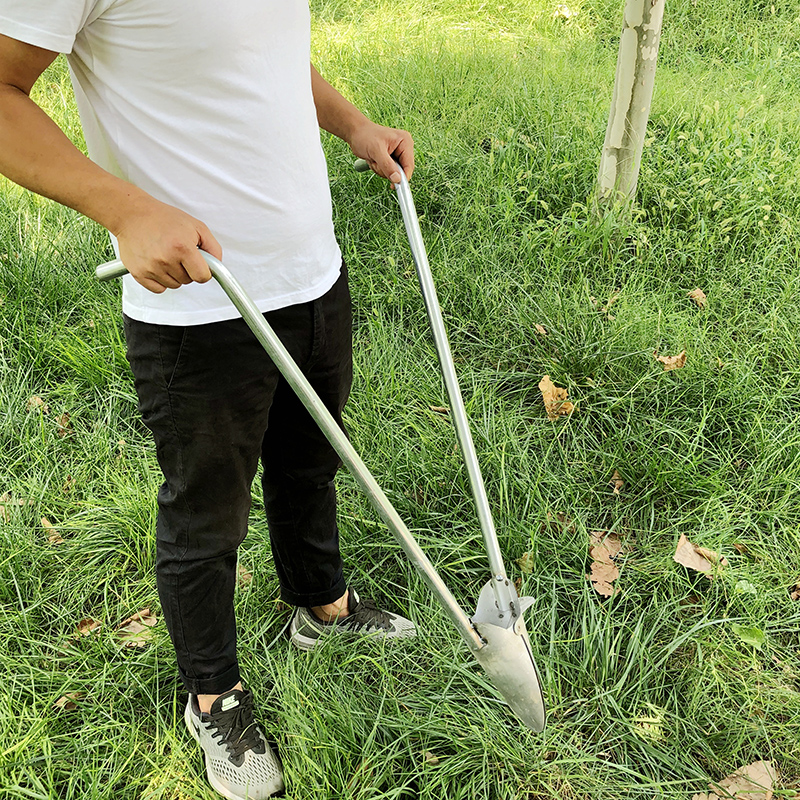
{"x":383,"y":148}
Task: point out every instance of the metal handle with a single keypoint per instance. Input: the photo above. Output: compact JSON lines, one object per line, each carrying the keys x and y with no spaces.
{"x":503,"y":595}
{"x":335,"y":435}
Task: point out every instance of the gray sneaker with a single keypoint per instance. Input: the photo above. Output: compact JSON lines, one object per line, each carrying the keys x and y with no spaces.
{"x":364,"y":619}
{"x":239,"y":762}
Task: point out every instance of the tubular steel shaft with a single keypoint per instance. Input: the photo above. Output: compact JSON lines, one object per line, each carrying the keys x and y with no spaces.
{"x":458,"y":413}
{"x":335,"y":435}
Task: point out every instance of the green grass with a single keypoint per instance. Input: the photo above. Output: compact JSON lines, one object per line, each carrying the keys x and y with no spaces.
{"x":651,"y":693}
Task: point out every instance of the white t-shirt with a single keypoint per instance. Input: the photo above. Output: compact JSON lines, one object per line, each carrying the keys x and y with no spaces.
{"x":207,"y":106}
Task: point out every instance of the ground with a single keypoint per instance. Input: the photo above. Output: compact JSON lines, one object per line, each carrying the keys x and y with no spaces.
{"x":674,"y":681}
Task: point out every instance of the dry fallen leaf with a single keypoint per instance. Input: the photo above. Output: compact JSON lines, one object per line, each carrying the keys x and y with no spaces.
{"x":525,"y":563}
{"x":64,"y":425}
{"x":555,"y":399}
{"x":67,"y":702}
{"x":439,"y":409}
{"x":700,"y":559}
{"x":243,"y":576}
{"x":85,"y":627}
{"x":711,"y":555}
{"x":740,"y":548}
{"x":794,"y":591}
{"x":605,"y":541}
{"x":603,"y":549}
{"x":699,"y":296}
{"x":68,"y":485}
{"x":53,"y":536}
{"x":36,"y":402}
{"x":540,"y":329}
{"x":430,"y":758}
{"x":753,"y":782}
{"x":134,"y":631}
{"x":616,"y":482}
{"x":671,"y":362}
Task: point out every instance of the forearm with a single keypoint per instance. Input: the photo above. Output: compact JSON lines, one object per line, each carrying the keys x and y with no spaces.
{"x":382,"y":147}
{"x":335,"y":114}
{"x":35,"y":153}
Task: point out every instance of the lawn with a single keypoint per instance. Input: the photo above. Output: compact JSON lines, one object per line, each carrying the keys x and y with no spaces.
{"x":676,"y":680}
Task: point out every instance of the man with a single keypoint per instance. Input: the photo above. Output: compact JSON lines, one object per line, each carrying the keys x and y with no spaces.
{"x":202,"y":120}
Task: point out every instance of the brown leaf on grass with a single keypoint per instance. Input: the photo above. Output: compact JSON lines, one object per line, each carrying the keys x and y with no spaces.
{"x":711,"y":555}
{"x":68,"y":485}
{"x":604,"y":547}
{"x":525,"y":563}
{"x":135,"y":631}
{"x":120,"y":449}
{"x":430,"y":758}
{"x":671,"y":362}
{"x":85,"y":627}
{"x":53,"y":536}
{"x":555,"y":399}
{"x":67,"y":702}
{"x":616,"y":482}
{"x":35,"y":403}
{"x":699,"y":296}
{"x":740,"y":548}
{"x":700,"y":559}
{"x":439,"y":409}
{"x":794,"y":591}
{"x":540,"y":329}
{"x":64,"y":426}
{"x":603,"y":541}
{"x":753,"y":782}
{"x":243,"y":576}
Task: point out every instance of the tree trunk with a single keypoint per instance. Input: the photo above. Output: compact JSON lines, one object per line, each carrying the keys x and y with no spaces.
{"x":630,"y":106}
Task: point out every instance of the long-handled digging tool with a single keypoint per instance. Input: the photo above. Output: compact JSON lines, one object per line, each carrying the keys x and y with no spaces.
{"x":496,"y":633}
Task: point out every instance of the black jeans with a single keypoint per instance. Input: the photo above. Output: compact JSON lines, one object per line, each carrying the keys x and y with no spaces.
{"x":215,"y":403}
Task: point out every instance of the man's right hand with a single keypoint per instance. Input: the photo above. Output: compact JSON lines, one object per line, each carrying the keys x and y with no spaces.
{"x":160,"y":245}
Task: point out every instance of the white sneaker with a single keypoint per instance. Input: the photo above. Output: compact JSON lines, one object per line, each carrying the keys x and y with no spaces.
{"x":239,"y":762}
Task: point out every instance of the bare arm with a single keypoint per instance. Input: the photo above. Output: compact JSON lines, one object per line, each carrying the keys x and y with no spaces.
{"x":375,"y":143}
{"x":158,"y":243}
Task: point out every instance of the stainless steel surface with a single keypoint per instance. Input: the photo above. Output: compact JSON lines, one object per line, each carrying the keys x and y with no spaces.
{"x":502,"y":595}
{"x":278,"y":353}
{"x":507,"y":658}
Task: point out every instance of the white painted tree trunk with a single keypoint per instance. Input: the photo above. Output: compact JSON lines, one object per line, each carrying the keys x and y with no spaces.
{"x":630,"y":106}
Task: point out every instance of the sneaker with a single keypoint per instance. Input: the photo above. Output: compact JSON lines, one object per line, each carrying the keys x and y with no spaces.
{"x":239,"y":762}
{"x":365,"y":618}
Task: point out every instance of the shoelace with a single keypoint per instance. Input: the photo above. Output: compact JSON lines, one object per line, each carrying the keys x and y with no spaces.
{"x":366,"y":613}
{"x":238,"y":730}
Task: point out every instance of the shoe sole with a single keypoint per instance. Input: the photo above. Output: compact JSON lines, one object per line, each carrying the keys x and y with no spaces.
{"x":188,"y":718}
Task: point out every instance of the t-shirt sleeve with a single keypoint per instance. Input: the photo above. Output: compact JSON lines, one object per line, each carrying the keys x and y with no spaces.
{"x":51,"y":24}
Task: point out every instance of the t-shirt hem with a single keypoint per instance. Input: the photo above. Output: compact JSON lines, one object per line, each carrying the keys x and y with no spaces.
{"x":58,"y":43}
{"x":204,"y":316}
